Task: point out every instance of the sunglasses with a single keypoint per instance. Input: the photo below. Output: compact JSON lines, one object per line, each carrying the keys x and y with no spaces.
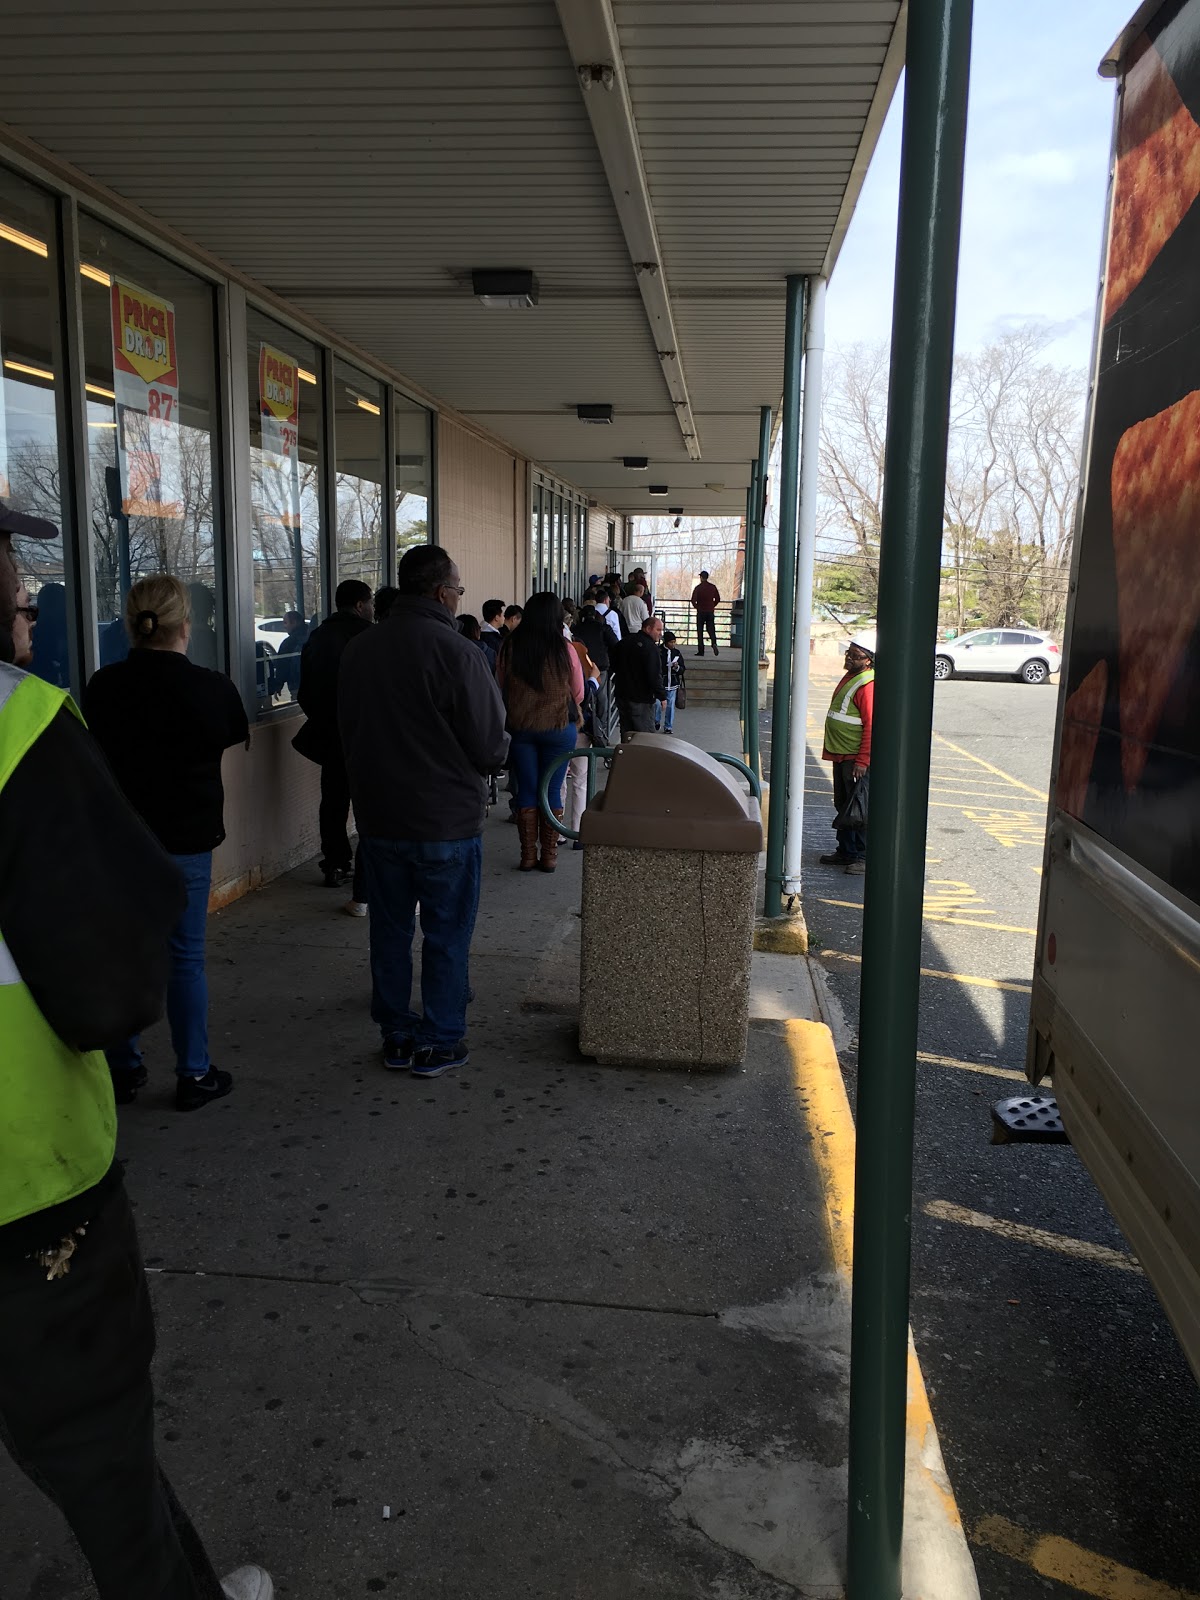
{"x":454,"y":588}
{"x":30,"y":613}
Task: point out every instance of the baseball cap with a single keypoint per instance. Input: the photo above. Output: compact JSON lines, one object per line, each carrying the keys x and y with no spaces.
{"x":19,"y":525}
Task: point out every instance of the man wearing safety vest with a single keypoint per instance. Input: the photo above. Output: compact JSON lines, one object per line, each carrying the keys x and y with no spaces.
{"x":87,"y":902}
{"x":848,"y":745}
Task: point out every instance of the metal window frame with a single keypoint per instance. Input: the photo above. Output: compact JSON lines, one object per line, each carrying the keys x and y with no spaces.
{"x":237,"y":497}
{"x":70,"y":415}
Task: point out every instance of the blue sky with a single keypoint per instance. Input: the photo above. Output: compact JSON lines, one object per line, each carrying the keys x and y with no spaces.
{"x":1038,"y":134}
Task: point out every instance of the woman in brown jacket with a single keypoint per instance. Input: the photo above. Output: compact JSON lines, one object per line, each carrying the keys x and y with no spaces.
{"x":542,"y":683}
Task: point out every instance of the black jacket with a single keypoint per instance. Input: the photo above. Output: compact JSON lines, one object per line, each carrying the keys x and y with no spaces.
{"x":592,"y":630}
{"x":639,"y":670}
{"x":421,"y":721}
{"x":164,"y":724}
{"x":320,"y":664}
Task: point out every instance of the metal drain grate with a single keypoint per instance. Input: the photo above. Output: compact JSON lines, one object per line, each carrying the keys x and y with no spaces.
{"x":1028,"y":1119}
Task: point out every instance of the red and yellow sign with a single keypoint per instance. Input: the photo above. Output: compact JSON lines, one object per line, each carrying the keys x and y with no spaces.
{"x":146,"y":383}
{"x":144,"y":341}
{"x":278,"y":386}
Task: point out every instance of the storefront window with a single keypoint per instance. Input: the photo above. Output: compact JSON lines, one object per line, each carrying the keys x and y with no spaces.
{"x":358,"y":421}
{"x":284,"y":378}
{"x":412,"y":476}
{"x":149,"y":339}
{"x":29,"y":459}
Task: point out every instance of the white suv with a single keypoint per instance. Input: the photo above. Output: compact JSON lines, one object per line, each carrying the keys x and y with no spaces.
{"x":998,"y":653}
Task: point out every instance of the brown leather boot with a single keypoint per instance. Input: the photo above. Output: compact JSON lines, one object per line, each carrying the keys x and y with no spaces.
{"x":527,"y":833}
{"x":549,"y":838}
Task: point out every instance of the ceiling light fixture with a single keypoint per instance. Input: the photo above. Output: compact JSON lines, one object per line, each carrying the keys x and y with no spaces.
{"x":594,"y":413}
{"x":660,"y":488}
{"x":505,"y":288}
{"x":365,"y":405}
{"x":305,"y":376}
{"x":101,"y":391}
{"x":96,"y":274}
{"x":676,"y":511}
{"x":24,"y":241}
{"x":28,"y":371}
{"x":635,"y":463}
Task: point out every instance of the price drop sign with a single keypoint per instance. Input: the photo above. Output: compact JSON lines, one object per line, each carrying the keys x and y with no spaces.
{"x":279,"y":409}
{"x":146,"y":382}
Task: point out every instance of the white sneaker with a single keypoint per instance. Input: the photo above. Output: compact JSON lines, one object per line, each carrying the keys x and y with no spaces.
{"x":355,"y":908}
{"x":248,"y":1583}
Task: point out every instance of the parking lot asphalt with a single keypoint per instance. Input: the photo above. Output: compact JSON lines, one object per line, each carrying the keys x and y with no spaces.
{"x":1069,"y":1418}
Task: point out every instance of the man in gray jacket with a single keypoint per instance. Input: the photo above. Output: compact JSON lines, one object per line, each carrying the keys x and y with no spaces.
{"x":422,"y":722}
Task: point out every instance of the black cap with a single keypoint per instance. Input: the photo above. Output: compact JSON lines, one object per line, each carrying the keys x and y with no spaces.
{"x":704,"y":574}
{"x":18,"y":525}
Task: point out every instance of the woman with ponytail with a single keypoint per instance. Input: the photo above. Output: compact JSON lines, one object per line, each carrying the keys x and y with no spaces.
{"x":164,"y":724}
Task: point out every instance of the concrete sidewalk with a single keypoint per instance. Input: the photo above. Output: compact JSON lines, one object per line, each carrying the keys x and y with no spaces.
{"x":584,"y":1330}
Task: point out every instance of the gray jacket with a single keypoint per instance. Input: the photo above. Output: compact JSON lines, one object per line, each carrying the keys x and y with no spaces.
{"x":421,"y":720}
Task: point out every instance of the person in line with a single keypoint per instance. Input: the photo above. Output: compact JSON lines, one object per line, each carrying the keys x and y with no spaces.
{"x":285,"y":667}
{"x":638,"y":575}
{"x":512,"y":618}
{"x":576,"y":790}
{"x":385,"y":599}
{"x":542,"y":682}
{"x":164,"y":724}
{"x":319,"y":739}
{"x":706,"y":597}
{"x":672,"y":670}
{"x":634,"y":609}
{"x":493,"y":621}
{"x":592,"y":632}
{"x":640,"y":679}
{"x":848,"y":744}
{"x":422,"y":724}
{"x":83,"y":965}
{"x":608,"y":613}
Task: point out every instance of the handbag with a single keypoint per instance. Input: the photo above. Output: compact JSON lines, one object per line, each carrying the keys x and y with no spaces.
{"x":854,"y":813}
{"x":680,"y":697}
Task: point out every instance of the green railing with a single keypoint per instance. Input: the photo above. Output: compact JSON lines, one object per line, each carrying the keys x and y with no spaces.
{"x":599,"y":752}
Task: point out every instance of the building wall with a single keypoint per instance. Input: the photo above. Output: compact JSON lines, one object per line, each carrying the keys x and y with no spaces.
{"x":599,"y":518}
{"x":482,"y":503}
{"x":271,"y":799}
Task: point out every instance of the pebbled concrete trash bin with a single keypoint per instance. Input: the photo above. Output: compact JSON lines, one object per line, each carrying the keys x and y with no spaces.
{"x":670,"y":865}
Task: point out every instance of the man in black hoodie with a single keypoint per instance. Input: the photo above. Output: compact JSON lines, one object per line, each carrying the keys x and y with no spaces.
{"x":640,"y":678}
{"x":319,"y":739}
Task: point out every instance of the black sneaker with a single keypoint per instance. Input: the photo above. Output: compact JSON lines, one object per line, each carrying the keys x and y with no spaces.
{"x":835,"y":859}
{"x":398,"y":1053}
{"x":191,"y":1093}
{"x":335,"y":877}
{"x":432,"y":1063}
{"x":126,"y":1082}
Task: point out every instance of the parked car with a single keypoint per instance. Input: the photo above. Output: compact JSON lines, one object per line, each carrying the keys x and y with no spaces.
{"x":998,"y":653}
{"x":269,"y":631}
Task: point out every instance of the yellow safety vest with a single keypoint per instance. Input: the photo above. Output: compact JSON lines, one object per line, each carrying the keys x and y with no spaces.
{"x":58,"y":1123}
{"x":844,"y":723}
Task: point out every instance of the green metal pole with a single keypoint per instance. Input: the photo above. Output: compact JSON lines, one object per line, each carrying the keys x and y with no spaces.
{"x":931,"y":168}
{"x":754,"y":638}
{"x":785,"y":596}
{"x":747,"y":591}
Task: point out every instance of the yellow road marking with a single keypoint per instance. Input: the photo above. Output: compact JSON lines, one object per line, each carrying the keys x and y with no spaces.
{"x":936,"y":972}
{"x":1067,"y":1563}
{"x":1006,"y":811}
{"x":1080,"y":1249}
{"x":949,"y":922}
{"x":988,"y":767}
{"x":822,"y":1094}
{"x":971,"y":1066}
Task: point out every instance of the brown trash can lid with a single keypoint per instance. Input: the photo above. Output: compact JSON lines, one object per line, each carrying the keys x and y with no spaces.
{"x":665,"y":794}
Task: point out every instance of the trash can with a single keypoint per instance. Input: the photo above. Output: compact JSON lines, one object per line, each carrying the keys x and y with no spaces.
{"x":670,"y":865}
{"x":737,"y":623}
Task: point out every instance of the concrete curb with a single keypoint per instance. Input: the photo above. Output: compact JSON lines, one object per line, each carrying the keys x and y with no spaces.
{"x":937,"y":1562}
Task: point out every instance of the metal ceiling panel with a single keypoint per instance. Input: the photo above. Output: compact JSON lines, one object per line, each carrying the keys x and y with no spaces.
{"x":361,"y":159}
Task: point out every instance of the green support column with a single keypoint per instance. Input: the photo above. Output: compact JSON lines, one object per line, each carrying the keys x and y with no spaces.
{"x":754,"y":604}
{"x":785,"y":596}
{"x":747,"y":590}
{"x":935,"y":110}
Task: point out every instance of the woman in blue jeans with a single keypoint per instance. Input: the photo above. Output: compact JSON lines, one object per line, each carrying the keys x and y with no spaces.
{"x":542,"y":682}
{"x":164,"y":724}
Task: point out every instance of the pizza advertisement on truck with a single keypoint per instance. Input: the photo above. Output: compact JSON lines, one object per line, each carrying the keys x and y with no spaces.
{"x":146,"y":384}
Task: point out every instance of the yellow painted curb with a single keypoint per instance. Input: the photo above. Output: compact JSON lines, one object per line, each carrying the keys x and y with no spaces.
{"x":782,"y":936}
{"x":937,"y":1560}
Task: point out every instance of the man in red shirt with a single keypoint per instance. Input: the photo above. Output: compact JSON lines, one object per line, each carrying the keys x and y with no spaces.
{"x":706,"y":597}
{"x":848,"y":745}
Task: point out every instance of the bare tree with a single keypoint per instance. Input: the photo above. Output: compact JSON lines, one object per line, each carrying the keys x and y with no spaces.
{"x":853,"y":439}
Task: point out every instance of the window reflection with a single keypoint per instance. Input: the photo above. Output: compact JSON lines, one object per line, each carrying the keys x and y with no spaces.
{"x":148,"y":332}
{"x":284,"y":381}
{"x":29,"y":460}
{"x":358,"y":421}
{"x":412,"y":475}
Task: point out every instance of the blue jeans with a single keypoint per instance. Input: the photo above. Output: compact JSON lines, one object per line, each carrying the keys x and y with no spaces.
{"x":531,"y":753}
{"x":668,"y":720}
{"x":187,"y":986}
{"x":443,"y":876}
